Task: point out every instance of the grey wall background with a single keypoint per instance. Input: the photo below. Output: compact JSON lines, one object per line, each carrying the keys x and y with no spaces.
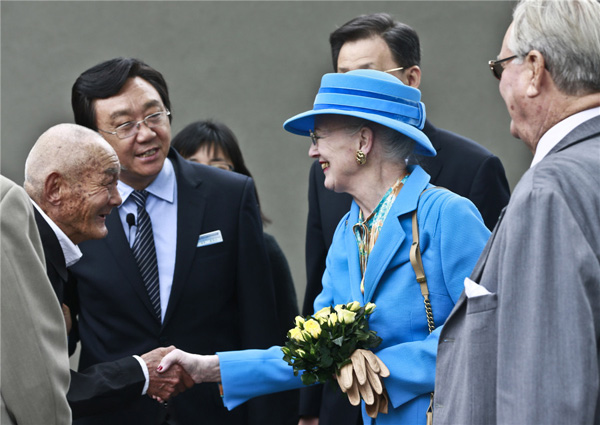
{"x":251,"y":65}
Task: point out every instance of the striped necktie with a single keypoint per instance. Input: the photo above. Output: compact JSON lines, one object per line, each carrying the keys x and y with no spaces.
{"x":145,"y":252}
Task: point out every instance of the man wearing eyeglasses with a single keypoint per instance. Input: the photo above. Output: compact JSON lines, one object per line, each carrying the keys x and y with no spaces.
{"x":184,"y":262}
{"x":378,"y":42}
{"x":521,"y":344}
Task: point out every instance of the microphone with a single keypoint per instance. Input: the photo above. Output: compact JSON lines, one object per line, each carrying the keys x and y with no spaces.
{"x":130,"y":220}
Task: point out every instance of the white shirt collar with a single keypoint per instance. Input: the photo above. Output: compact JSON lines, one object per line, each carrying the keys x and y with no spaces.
{"x":162,"y":187}
{"x":559,"y":131}
{"x":71,"y":251}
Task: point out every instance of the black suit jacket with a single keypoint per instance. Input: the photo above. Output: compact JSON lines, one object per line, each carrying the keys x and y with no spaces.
{"x":221,"y":299}
{"x":111,"y":385}
{"x":460,"y":165}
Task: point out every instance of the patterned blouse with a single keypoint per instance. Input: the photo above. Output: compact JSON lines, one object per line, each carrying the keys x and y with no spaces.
{"x":366,"y":231}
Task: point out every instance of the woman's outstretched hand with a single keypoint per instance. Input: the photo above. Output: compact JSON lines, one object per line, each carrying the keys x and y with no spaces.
{"x":200,"y":368}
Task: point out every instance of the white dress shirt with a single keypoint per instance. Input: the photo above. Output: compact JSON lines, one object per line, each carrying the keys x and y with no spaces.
{"x":559,"y":131}
{"x":162,"y":208}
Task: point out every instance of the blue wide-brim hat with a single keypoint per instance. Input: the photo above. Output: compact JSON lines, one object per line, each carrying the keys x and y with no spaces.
{"x":373,"y":95}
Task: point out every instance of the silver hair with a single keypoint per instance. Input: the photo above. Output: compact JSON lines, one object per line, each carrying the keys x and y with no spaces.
{"x":396,"y":146}
{"x":567,"y":34}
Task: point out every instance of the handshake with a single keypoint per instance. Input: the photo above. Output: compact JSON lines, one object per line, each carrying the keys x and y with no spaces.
{"x":163,"y":386}
{"x":173,"y":371}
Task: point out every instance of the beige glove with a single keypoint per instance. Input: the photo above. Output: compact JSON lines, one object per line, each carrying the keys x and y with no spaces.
{"x":362,"y":379}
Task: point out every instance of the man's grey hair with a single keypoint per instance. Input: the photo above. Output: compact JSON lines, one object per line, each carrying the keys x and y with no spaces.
{"x":567,"y":34}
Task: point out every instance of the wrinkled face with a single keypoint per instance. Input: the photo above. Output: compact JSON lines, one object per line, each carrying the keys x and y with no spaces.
{"x":213,"y":156}
{"x":513,"y":89}
{"x":368,"y":53}
{"x":142,"y":156}
{"x":89,"y":197}
{"x":336,"y":147}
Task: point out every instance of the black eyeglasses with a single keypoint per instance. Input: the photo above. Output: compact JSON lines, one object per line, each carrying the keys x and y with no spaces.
{"x":497,"y":66}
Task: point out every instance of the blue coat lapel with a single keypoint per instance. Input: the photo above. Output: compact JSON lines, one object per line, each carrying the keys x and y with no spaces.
{"x":392,"y":235}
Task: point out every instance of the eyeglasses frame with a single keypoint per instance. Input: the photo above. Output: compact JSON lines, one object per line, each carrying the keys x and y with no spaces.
{"x":136,"y":125}
{"x":497,"y":68}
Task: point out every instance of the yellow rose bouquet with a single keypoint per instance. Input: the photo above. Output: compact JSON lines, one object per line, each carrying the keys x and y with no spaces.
{"x":321,"y":344}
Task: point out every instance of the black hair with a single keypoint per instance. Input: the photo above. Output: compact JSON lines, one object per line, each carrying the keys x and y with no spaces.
{"x":105,"y":80}
{"x":402,"y":40}
{"x":213,"y":135}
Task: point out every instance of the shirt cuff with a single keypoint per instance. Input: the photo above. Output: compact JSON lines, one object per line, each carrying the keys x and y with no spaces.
{"x":146,"y":374}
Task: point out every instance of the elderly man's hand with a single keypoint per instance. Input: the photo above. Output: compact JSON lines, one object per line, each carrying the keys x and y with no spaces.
{"x":67,"y":315}
{"x":165,"y":385}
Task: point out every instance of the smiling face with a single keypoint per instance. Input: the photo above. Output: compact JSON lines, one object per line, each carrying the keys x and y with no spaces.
{"x":88,"y":197}
{"x":142,"y":156}
{"x":337,"y":143}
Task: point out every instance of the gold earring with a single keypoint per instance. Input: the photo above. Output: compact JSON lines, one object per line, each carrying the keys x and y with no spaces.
{"x":361,"y":158}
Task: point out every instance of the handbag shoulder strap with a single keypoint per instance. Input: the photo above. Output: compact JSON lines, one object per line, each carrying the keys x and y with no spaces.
{"x":417,"y":264}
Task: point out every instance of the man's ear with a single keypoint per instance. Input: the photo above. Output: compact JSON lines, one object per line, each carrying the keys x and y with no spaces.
{"x":412,"y":76}
{"x":536,"y":66}
{"x":54,"y":187}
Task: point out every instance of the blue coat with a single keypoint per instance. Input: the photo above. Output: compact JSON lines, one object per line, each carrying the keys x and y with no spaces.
{"x":452,"y":235}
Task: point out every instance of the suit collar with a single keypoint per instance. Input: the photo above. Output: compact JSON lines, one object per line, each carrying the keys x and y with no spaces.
{"x":190,"y":215}
{"x":52,"y":249}
{"x":582,"y":132}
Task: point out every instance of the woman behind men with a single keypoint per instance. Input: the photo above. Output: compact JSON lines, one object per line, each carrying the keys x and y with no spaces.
{"x":213,"y":143}
{"x":364,"y":126}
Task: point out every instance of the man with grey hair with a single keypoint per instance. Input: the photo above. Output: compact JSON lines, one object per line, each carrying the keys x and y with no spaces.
{"x":521,"y":344}
{"x":71,"y":176}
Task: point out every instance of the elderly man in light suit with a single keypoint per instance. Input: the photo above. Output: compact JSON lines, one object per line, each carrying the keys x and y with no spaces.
{"x":521,"y":345}
{"x":35,"y":364}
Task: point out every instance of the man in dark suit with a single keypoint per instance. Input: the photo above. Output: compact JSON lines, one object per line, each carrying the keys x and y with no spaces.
{"x":461,"y":165}
{"x":521,"y":344}
{"x":184,"y":262}
{"x":72,"y":194}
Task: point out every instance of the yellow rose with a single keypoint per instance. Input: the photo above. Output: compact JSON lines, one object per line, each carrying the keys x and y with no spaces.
{"x":369,"y":308}
{"x":313,"y":327}
{"x":346,"y":316}
{"x":333,"y":319}
{"x":353,"y":306}
{"x":322,"y":314}
{"x":296,"y":334}
{"x":299,"y":320}
{"x":339,"y":308}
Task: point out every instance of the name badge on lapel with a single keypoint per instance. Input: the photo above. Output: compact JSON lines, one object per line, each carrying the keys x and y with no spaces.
{"x":210,"y":238}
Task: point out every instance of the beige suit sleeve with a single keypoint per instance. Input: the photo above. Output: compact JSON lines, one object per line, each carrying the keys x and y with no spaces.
{"x":34,"y":361}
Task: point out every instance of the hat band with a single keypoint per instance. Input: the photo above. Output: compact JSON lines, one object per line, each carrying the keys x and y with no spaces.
{"x":409,"y":114}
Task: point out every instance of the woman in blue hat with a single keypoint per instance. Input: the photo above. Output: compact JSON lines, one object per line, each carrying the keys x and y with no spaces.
{"x":365,"y":129}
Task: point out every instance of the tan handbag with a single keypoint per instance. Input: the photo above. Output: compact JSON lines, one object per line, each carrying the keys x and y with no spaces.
{"x":417,"y":264}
